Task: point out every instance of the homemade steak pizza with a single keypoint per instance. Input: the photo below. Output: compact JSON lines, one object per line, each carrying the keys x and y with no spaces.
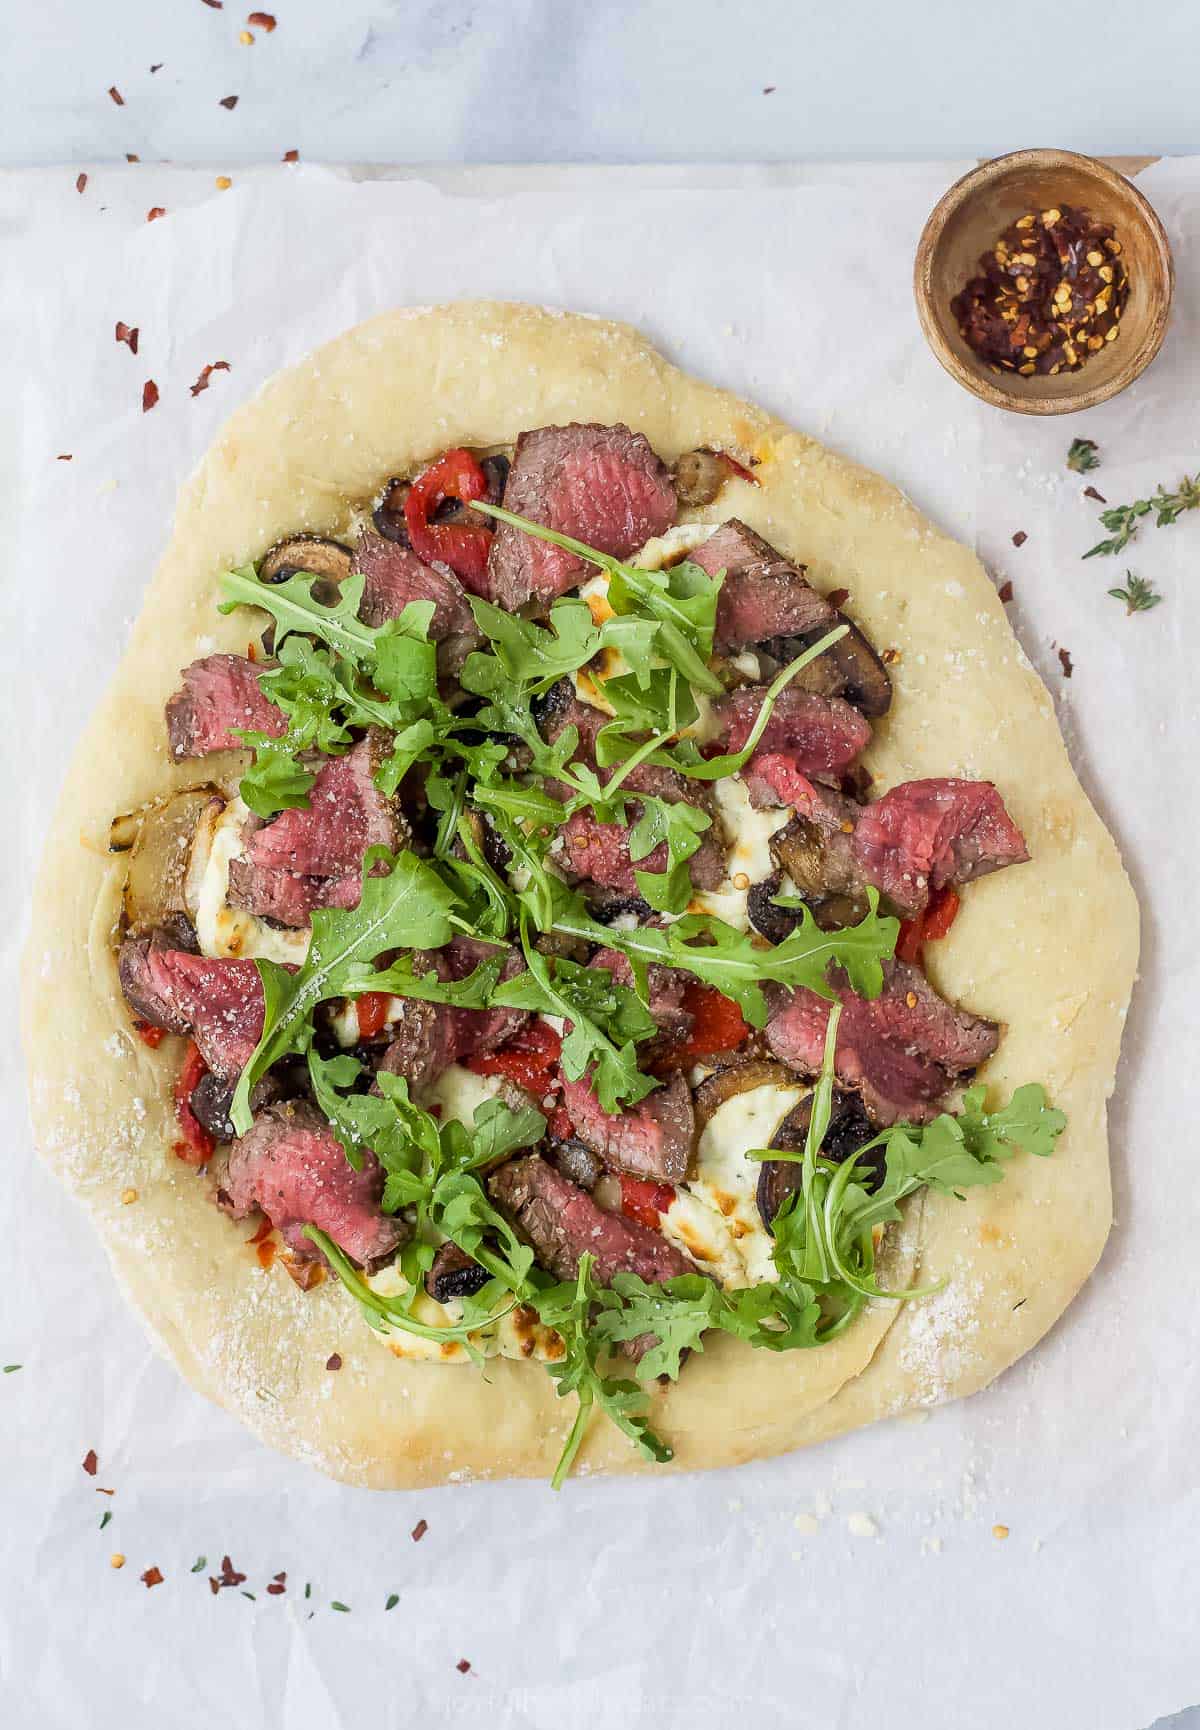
{"x":591,"y":880}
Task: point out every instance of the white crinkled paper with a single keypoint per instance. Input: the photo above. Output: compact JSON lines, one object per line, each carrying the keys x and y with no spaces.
{"x":858,"y":1584}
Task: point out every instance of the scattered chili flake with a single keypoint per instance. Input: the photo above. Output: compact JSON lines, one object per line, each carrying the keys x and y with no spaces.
{"x":128,"y":333}
{"x":280,"y":1577}
{"x":264,"y":20}
{"x":334,"y":1361}
{"x":1091,"y":493}
{"x":132,"y":156}
{"x":206,"y":373}
{"x":116,"y":1560}
{"x":152,"y":1577}
{"x":228,"y":1576}
{"x":291,"y":156}
{"x":145,"y":1030}
{"x":275,"y":1588}
{"x":116,"y":96}
{"x":1047,"y":296}
{"x":1005,"y":591}
{"x":463,"y":1665}
{"x":199,"y":1565}
{"x":393,"y":1598}
{"x":153,"y":214}
{"x":999,"y":1531}
{"x":64,"y":457}
{"x":334,"y":1605}
{"x":769,"y":89}
{"x":80,"y":182}
{"x":223,"y":183}
{"x":105,"y":1517}
{"x":101,"y":1492}
{"x":419,"y":1530}
{"x":157,"y":67}
{"x":838,"y":597}
{"x":90,"y":1462}
{"x":229,"y":102}
{"x":149,"y":395}
{"x":1020,"y":538}
{"x":216,"y":5}
{"x":1068,"y":667}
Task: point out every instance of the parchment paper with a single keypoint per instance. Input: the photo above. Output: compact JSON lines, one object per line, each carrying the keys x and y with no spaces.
{"x":744,"y":1595}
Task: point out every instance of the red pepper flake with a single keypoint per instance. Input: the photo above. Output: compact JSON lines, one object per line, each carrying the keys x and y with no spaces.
{"x":64,"y":457}
{"x":149,"y":1034}
{"x":737,"y":468}
{"x":333,"y":1361}
{"x":263,"y":1233}
{"x":157,"y":67}
{"x":206,"y":373}
{"x":90,"y":1462}
{"x":128,"y":333}
{"x":291,"y":156}
{"x":101,"y":1492}
{"x":264,"y":20}
{"x":228,"y":1576}
{"x":217,"y":5}
{"x":419,"y":1530}
{"x":278,"y":1585}
{"x":157,"y":211}
{"x":80,"y":182}
{"x":1020,"y":538}
{"x":116,"y":96}
{"x":769,"y":89}
{"x":928,"y":926}
{"x":1091,"y":493}
{"x":252,"y":651}
{"x":229,"y":102}
{"x":1005,"y":591}
{"x":463,"y":1665}
{"x":152,"y":1577}
{"x":1068,"y":666}
{"x":132,"y":156}
{"x":149,"y":395}
{"x":838,"y":597}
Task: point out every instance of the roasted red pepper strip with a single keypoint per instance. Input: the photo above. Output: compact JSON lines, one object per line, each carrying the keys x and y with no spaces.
{"x":149,"y":1034}
{"x":644,"y":1200}
{"x":197,"y":1145}
{"x":530,"y":1059}
{"x":462,"y":546}
{"x":743,"y":473}
{"x":559,"y":1127}
{"x":717,"y":1023}
{"x":372,"y":1013}
{"x":927,"y":927}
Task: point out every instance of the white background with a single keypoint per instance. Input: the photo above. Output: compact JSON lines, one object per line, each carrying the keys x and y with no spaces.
{"x":454,"y":82}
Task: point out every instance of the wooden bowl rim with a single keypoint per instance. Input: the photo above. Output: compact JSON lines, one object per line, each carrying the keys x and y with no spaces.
{"x":964,"y":189}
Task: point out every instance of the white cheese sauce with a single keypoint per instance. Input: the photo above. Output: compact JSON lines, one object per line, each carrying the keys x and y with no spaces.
{"x":221,"y":930}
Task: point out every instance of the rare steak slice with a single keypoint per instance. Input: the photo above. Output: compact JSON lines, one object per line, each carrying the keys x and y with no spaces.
{"x":478,"y":1031}
{"x":766,"y":600}
{"x":311,"y":858}
{"x":395,"y":576}
{"x":650,"y":1139}
{"x":428,"y":1037}
{"x":220,"y":695}
{"x":923,"y":835}
{"x":562,"y":1223}
{"x":220,"y":1003}
{"x":602,"y":485}
{"x":291,"y":1167}
{"x":903,"y":1050}
{"x":807,"y":735}
{"x":665,"y":989}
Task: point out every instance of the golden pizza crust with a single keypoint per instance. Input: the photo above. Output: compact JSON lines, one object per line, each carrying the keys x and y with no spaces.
{"x":1049,"y":947}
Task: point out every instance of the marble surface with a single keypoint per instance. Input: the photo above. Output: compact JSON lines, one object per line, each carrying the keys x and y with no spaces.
{"x":605,"y":80}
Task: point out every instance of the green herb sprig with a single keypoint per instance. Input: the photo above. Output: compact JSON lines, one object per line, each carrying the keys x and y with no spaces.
{"x":1123,"y":519}
{"x":1138,"y":594}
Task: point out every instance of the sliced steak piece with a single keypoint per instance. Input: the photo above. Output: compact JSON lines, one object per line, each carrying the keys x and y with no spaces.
{"x":454,"y":1274}
{"x":666,"y":987}
{"x":602,"y":485}
{"x":805,"y":735}
{"x":220,"y":693}
{"x":902,"y":1051}
{"x":650,"y":1139}
{"x":562,"y":1222}
{"x":424,"y":1042}
{"x":765,"y":599}
{"x":477,"y":1031}
{"x":926,"y":834}
{"x":304,"y":859}
{"x":220,"y":1003}
{"x":395,"y":576}
{"x":291,"y":1167}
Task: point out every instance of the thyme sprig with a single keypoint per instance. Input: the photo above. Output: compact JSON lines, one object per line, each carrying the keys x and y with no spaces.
{"x":1123,"y":519}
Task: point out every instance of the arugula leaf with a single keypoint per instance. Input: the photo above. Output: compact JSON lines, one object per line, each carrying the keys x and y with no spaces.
{"x":293,"y":608}
{"x":532,"y":654}
{"x":408,"y":908}
{"x":678,"y":1313}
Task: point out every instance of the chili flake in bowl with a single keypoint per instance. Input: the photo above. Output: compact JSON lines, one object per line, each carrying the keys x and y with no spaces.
{"x":1028,"y":271}
{"x":1048,"y":295}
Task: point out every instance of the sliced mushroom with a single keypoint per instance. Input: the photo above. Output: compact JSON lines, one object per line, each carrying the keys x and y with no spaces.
{"x":312,"y":554}
{"x":772,"y":922}
{"x":699,"y":476}
{"x":849,"y":1128}
{"x":736,"y":1078}
{"x":156,"y":884}
{"x":577,"y":1162}
{"x":388,"y":515}
{"x":822,"y":868}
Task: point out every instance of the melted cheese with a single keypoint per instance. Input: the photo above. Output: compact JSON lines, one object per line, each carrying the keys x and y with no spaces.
{"x":459,"y":1092}
{"x":222,"y":930}
{"x":747,"y":835}
{"x":517,"y":1334}
{"x":714,"y":1217}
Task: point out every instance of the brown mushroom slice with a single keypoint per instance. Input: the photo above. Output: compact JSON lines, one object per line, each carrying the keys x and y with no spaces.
{"x":699,"y":476}
{"x":849,"y":1129}
{"x":857,"y":674}
{"x":772,"y":922}
{"x":821,"y":866}
{"x":736,"y":1078}
{"x":313,"y":555}
{"x":156,"y":883}
{"x":388,"y":515}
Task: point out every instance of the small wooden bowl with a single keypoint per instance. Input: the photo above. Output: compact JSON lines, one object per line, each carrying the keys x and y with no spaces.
{"x":966,"y":223}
